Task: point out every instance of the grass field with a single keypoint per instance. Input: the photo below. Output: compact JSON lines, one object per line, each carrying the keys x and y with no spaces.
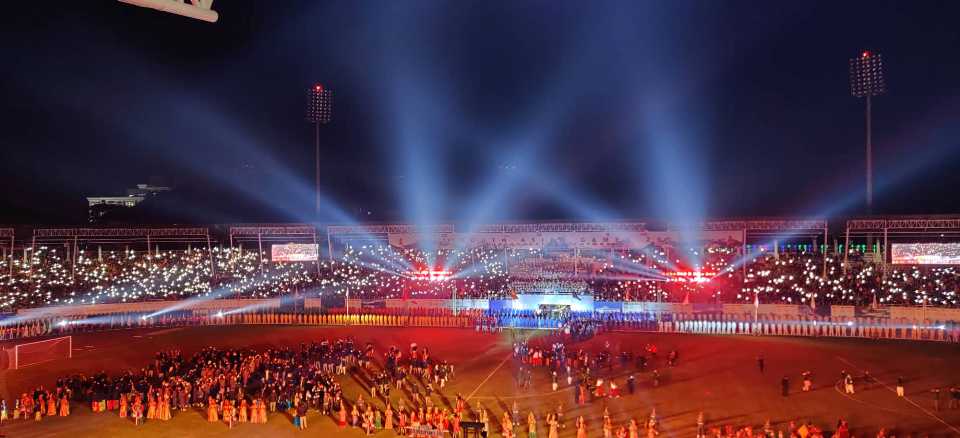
{"x":716,"y":374}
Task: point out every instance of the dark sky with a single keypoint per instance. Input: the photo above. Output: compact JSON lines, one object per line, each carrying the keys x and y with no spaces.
{"x":479,"y":110}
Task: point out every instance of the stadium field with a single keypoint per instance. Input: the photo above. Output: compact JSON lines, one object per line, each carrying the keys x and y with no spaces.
{"x":717,"y":375}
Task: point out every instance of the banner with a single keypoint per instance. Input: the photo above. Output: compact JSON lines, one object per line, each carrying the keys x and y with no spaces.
{"x":294,"y":252}
{"x":532,"y":302}
{"x":438,"y":303}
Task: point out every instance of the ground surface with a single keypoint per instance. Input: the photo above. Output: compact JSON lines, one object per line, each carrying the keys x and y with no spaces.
{"x":716,"y":374}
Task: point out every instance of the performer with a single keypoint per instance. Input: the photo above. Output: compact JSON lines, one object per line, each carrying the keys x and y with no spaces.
{"x":581,"y":427}
{"x":388,"y":420}
{"x":212,"y":415}
{"x":51,"y":405}
{"x":263,"y":412}
{"x":302,"y":415}
{"x":614,"y":390}
{"x":228,"y":413}
{"x":255,"y":411}
{"x":137,"y":411}
{"x":552,"y":427}
{"x":151,"y":406}
{"x":531,"y":425}
{"x":242,"y":411}
{"x":164,"y":406}
{"x":342,"y":416}
{"x":64,"y":406}
{"x":123,"y":406}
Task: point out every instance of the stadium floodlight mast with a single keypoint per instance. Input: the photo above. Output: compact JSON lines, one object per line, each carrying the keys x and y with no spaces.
{"x":198,"y":9}
{"x":867,"y":81}
{"x":319,"y":108}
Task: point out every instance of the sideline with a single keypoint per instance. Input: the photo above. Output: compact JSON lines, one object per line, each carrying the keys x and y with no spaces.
{"x":839,"y":385}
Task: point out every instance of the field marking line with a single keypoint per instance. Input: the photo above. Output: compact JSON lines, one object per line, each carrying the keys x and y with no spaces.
{"x":522,"y":396}
{"x":908,"y":400}
{"x":135,"y":339}
{"x":484,"y":381}
{"x":836,"y":387}
{"x":497,"y":368}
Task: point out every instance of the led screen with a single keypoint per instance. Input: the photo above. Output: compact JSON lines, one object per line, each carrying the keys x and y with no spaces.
{"x":925,"y":253}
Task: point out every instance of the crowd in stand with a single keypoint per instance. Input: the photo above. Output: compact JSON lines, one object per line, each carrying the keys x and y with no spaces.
{"x":45,"y":276}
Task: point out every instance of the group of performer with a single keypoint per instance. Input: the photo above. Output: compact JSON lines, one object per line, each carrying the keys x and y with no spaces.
{"x":233,"y":386}
{"x":37,"y":405}
{"x":243,"y":386}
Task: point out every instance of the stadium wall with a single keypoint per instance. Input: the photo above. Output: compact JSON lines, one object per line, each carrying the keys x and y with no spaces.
{"x":144,"y":307}
{"x":925,"y":313}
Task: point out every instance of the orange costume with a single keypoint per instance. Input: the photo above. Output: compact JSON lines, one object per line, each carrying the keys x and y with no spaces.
{"x":51,"y":406}
{"x":263,"y":412}
{"x":228,"y":412}
{"x":64,"y":406}
{"x":123,"y":406}
{"x":165,"y":408}
{"x":151,"y":407}
{"x":581,"y":428}
{"x":137,"y":411}
{"x":242,"y":413}
{"x":255,"y":411}
{"x":212,"y":410}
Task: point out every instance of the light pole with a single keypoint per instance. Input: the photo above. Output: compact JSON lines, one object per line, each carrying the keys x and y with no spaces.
{"x":319,"y":108}
{"x":867,"y":80}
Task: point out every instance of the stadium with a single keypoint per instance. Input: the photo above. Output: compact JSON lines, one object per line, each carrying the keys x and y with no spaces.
{"x":454,"y":219}
{"x":763,"y":291}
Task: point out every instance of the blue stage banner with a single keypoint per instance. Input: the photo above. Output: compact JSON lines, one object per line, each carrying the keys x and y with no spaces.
{"x":608,"y":306}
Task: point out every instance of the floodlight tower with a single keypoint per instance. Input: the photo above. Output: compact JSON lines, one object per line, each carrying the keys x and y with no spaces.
{"x":319,"y":108}
{"x":867,"y":80}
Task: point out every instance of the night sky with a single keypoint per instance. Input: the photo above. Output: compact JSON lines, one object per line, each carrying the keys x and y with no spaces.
{"x":479,"y":110}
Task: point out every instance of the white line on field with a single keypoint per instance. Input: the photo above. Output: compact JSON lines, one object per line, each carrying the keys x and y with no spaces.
{"x":907,"y":399}
{"x":509,"y":356}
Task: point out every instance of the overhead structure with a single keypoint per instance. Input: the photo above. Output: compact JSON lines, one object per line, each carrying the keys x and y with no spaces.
{"x":912,"y":228}
{"x":342,"y":236}
{"x":763,"y":230}
{"x":196,"y":9}
{"x":272,"y":234}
